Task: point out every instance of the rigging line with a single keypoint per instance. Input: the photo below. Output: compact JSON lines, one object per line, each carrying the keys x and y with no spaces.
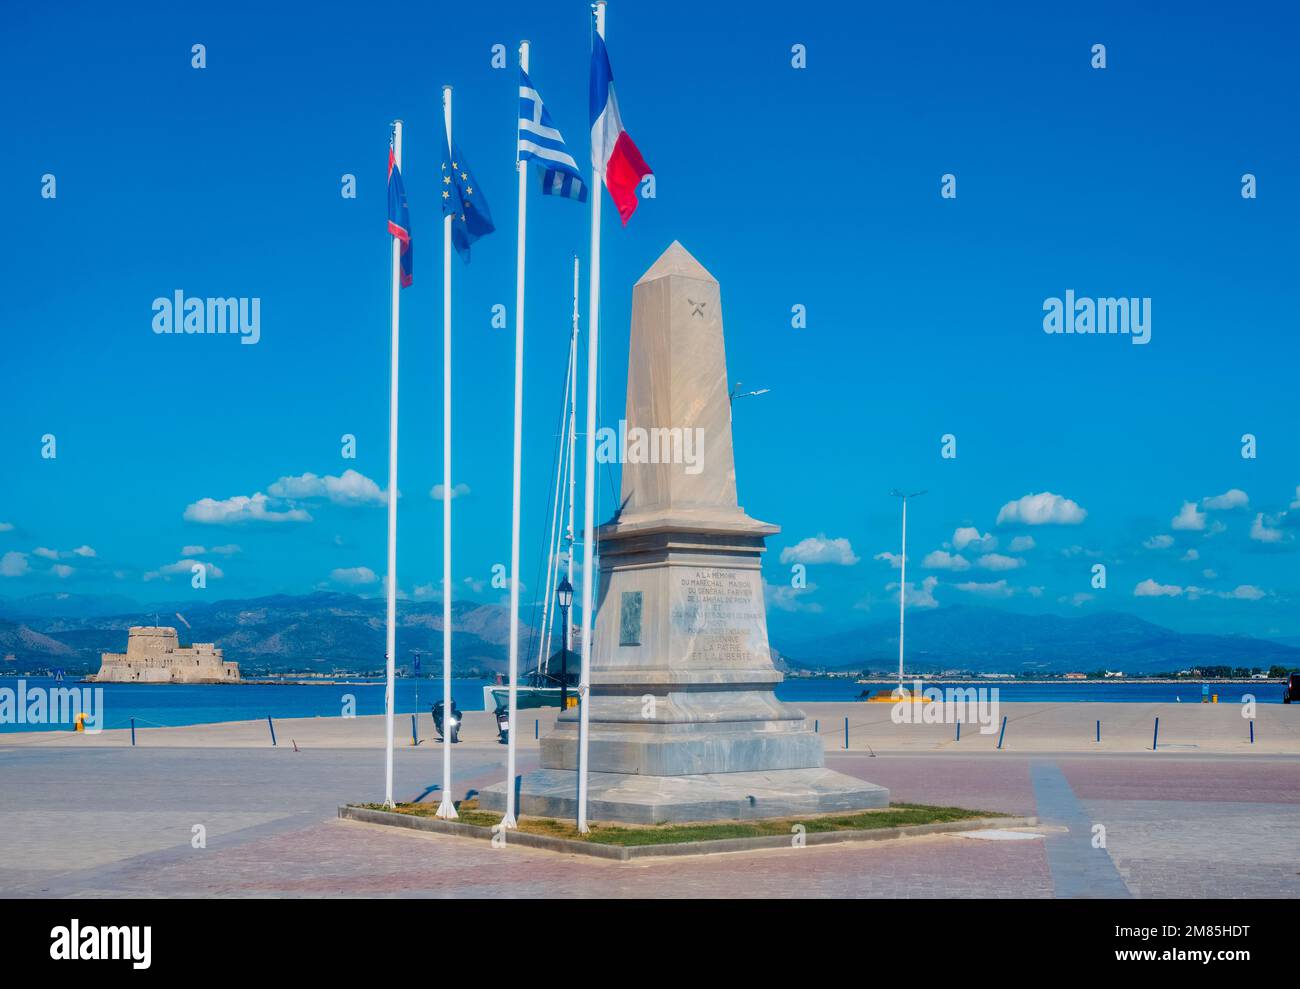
{"x":553,"y":541}
{"x":532,"y":630}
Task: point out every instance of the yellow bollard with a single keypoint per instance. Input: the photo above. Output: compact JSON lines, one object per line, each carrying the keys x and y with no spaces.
{"x":1214,"y":698}
{"x":80,"y":724}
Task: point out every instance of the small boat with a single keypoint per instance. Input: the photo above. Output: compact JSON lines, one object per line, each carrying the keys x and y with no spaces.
{"x":535,"y":689}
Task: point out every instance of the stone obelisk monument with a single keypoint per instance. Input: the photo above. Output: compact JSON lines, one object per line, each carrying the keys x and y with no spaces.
{"x":684,"y":722}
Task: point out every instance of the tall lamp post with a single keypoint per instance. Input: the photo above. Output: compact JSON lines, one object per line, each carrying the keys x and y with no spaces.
{"x":564,"y":598}
{"x":902,"y":582}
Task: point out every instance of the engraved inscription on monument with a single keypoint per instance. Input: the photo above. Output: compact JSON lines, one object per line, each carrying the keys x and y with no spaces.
{"x":629,"y":623}
{"x":717,"y":608}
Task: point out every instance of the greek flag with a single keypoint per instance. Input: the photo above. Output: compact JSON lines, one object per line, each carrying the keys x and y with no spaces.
{"x":544,"y":145}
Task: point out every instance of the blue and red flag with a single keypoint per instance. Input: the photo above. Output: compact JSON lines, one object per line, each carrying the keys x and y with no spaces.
{"x":613,"y":155}
{"x":399,"y":217}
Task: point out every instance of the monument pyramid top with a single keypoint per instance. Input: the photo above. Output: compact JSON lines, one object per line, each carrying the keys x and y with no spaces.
{"x":675,"y":443}
{"x":676,"y":260}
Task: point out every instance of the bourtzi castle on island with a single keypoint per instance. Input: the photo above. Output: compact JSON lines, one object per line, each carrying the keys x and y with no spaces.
{"x":154,"y":655}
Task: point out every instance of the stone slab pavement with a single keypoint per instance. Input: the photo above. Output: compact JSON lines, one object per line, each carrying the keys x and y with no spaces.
{"x":102,"y":822}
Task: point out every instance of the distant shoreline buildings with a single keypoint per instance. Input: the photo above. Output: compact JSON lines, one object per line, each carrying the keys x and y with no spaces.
{"x":154,"y":655}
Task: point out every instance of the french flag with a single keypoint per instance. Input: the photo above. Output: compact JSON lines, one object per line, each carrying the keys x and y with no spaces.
{"x":613,"y":154}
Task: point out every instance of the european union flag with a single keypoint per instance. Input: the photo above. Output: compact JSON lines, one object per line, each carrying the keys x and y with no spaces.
{"x":463,"y":201}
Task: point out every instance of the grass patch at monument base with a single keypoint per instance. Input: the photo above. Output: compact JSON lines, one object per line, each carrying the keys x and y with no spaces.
{"x":623,"y":841}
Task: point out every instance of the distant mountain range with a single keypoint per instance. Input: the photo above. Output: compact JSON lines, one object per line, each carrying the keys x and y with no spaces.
{"x":328,"y":631}
{"x":324,"y":631}
{"x":991,"y":640}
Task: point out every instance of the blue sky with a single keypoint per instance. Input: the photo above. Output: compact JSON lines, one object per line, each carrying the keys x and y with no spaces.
{"x":817,"y":187}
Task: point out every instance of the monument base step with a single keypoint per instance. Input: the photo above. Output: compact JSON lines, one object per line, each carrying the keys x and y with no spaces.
{"x":635,"y":799}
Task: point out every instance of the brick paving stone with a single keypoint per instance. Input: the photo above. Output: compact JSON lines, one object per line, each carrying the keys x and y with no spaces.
{"x":116,"y":822}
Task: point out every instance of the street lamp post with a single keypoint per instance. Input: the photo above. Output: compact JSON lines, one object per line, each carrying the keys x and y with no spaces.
{"x":902,"y":582}
{"x":737,"y":393}
{"x":564,"y":598}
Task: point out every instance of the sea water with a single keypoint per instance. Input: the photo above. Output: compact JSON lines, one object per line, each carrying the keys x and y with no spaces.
{"x":173,"y":705}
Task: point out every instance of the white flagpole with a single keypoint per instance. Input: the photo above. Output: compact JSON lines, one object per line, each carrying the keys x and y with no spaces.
{"x":512,"y":731}
{"x":589,"y":500}
{"x":447,"y":808}
{"x":391,"y":641}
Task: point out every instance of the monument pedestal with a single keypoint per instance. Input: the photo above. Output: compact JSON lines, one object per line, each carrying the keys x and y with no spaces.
{"x":684,"y":724}
{"x":641,"y":799}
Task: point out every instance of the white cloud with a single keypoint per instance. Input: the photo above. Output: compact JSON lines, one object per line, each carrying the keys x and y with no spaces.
{"x":820,"y":549}
{"x":55,"y":554}
{"x":1150,"y":589}
{"x":1245,"y":592}
{"x":350,"y":488}
{"x":1261,"y":530}
{"x":996,"y":561}
{"x":475,"y":584}
{"x":1080,"y":551}
{"x":992,"y":589}
{"x":786,"y":598}
{"x":1294,"y":504}
{"x":1041,"y":509}
{"x":918,"y":597}
{"x":228,"y":550}
{"x":1209,"y":574}
{"x":943,"y":560}
{"x":62,"y":570}
{"x":1161,"y":541}
{"x":185,"y":567}
{"x":355,"y":576}
{"x":1191,"y":556}
{"x":9,"y":526}
{"x":457,"y":491}
{"x":241,"y":508}
{"x":1022,"y":543}
{"x":895,"y":560}
{"x":13,"y":564}
{"x":970,"y":536}
{"x":1232,"y":498}
{"x":1078,"y":599}
{"x":1189,"y":518}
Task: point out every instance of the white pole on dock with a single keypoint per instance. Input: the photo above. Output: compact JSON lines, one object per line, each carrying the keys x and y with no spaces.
{"x":589,"y":498}
{"x":508,"y":821}
{"x":391,"y":638}
{"x":447,"y":807}
{"x":902,"y":582}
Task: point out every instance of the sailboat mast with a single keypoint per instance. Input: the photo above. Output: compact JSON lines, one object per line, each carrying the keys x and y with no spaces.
{"x":573,"y":423}
{"x":553,"y":537}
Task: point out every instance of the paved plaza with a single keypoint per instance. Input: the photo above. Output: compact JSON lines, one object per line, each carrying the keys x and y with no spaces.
{"x":115,"y":821}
